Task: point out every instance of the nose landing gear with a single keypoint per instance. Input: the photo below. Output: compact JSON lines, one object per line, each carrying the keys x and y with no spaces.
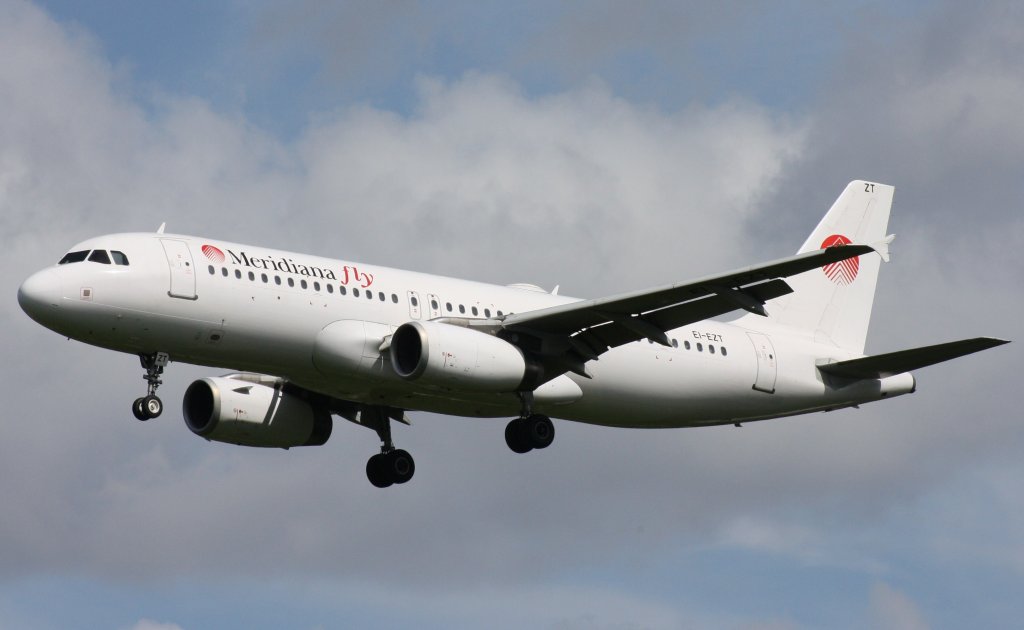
{"x":150,"y":406}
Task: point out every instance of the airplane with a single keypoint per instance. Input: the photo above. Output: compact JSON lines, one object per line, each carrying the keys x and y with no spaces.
{"x":308,"y":338}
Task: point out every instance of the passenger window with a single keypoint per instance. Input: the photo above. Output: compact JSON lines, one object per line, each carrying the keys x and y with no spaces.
{"x":99,"y":256}
{"x":277,"y":280}
{"x":369,"y":295}
{"x":73,"y":257}
{"x":264,"y":278}
{"x":711,"y":348}
{"x":119,"y":258}
{"x":304,"y":284}
{"x":224,"y":271}
{"x":381,"y":296}
{"x":487,"y":313}
{"x":462,"y":309}
{"x":291,"y":282}
{"x":252,"y":276}
{"x":433,"y":304}
{"x":355,"y":292}
{"x":316,"y":286}
{"x":700,"y":347}
{"x":414,"y":301}
{"x":394,"y":298}
{"x":686,"y":344}
{"x":675,"y":343}
{"x":499,"y":313}
{"x":448,"y":306}
{"x":342,"y":290}
{"x":330,"y":288}
{"x":723,"y":351}
{"x":212,"y":270}
{"x":475,"y":311}
{"x":238,"y":274}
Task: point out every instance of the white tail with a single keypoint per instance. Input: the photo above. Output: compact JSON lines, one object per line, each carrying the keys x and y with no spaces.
{"x":835,"y":301}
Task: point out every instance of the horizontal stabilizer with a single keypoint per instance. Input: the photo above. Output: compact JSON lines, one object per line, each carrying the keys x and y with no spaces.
{"x":891,"y":363}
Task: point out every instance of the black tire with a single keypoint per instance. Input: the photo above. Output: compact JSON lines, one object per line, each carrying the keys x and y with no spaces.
{"x":152,"y":406}
{"x":539,"y":431}
{"x":515,"y":437}
{"x":377,"y":471}
{"x":401,"y":466}
{"x":138,"y":411}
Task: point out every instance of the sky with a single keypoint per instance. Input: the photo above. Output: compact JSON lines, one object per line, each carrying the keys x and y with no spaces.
{"x":599,"y":146}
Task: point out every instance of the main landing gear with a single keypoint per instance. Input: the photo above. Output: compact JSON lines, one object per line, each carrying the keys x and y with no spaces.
{"x":392,"y":465}
{"x":150,"y":406}
{"x":530,"y":430}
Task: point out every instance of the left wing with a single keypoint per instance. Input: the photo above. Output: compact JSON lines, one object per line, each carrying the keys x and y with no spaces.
{"x":569,"y":335}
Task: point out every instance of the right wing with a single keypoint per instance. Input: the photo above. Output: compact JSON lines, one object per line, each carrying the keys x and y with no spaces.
{"x":565,"y":337}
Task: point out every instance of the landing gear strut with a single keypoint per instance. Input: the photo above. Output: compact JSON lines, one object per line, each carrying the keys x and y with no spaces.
{"x":392,"y":465}
{"x":530,"y":430}
{"x":150,"y":406}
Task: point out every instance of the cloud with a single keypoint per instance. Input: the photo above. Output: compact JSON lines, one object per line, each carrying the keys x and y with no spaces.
{"x":892,"y":609}
{"x":480,"y":178}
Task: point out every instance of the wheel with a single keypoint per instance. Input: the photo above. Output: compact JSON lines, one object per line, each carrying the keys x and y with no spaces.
{"x":538,"y":431}
{"x":515,"y":437}
{"x":138,"y":411}
{"x":377,"y":471}
{"x":401,"y":466}
{"x":152,"y":406}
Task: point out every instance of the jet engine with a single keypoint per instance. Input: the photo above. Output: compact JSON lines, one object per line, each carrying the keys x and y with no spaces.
{"x":252,"y":414}
{"x":456,"y":358}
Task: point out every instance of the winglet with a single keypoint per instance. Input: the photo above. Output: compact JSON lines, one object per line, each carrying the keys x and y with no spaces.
{"x":882,"y":247}
{"x":160,"y":230}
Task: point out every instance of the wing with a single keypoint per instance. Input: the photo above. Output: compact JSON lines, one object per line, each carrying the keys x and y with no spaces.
{"x":565,"y":337}
{"x":889,"y":364}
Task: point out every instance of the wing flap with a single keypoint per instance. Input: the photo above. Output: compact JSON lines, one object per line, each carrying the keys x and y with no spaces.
{"x":613,"y":334}
{"x":892,"y":363}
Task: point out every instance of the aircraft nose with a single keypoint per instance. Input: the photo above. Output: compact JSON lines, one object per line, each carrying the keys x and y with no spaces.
{"x":40,"y":295}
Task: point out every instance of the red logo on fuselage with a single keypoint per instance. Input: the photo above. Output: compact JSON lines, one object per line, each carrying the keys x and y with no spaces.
{"x":844,"y":271}
{"x":213,"y":253}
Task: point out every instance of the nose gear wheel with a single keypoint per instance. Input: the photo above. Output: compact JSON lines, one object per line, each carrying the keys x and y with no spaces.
{"x":150,"y":406}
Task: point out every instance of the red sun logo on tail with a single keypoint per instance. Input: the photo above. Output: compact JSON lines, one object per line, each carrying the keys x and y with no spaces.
{"x":213,"y":253}
{"x":845,"y":271}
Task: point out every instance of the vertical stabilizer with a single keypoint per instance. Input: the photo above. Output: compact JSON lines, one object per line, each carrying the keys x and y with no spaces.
{"x":835,"y":301}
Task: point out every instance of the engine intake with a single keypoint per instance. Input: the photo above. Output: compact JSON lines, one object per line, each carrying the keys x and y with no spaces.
{"x":456,"y":358}
{"x":250,"y":414}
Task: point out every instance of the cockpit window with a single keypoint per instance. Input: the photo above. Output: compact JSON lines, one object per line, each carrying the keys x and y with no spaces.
{"x":119,"y":258}
{"x":99,"y":256}
{"x":73,"y":257}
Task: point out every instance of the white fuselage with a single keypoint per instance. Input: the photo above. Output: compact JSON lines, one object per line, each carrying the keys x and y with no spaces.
{"x":261,"y":310}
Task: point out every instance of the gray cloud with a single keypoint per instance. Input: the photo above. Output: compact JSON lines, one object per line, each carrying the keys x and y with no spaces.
{"x":581,"y":188}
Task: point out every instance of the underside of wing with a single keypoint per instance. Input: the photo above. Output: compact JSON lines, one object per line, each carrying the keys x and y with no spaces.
{"x":892,"y":363}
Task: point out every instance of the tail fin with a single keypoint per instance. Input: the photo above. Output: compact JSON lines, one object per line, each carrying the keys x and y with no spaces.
{"x":835,"y":301}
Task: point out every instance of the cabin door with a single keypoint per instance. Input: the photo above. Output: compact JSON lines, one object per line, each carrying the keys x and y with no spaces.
{"x":767,"y":367}
{"x":183,"y":276}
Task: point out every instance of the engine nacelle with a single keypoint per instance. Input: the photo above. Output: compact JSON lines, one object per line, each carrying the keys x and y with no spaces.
{"x":250,"y":414}
{"x":452,"y":357}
